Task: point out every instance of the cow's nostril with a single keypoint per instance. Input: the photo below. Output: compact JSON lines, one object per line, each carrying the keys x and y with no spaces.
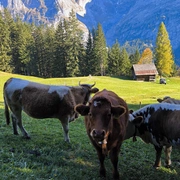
{"x":98,"y":133}
{"x":103,"y":133}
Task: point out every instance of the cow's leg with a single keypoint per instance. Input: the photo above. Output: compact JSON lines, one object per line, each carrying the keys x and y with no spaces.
{"x":168,"y":151}
{"x":102,"y":170}
{"x":114,"y":159}
{"x":17,"y":120}
{"x":65,"y":125}
{"x":158,"y":156}
{"x":14,"y":123}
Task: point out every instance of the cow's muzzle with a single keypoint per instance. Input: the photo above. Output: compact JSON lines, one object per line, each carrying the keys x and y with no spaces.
{"x":98,"y":135}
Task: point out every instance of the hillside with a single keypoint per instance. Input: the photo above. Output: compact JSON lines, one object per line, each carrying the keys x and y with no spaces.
{"x":128,"y":20}
{"x":132,"y":91}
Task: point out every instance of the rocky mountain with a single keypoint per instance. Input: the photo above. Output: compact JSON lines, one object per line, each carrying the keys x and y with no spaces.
{"x":127,"y":20}
{"x":124,"y":20}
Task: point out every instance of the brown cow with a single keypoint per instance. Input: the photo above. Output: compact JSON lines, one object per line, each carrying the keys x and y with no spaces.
{"x":106,"y":118}
{"x":43,"y":101}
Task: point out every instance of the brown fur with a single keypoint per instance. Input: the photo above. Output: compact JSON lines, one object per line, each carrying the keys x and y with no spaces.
{"x":106,"y":116}
{"x":43,"y":101}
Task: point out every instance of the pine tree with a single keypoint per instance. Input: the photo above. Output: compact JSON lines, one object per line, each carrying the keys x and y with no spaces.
{"x":49,"y":51}
{"x":146,"y":57}
{"x":20,"y":37}
{"x":114,"y":59}
{"x":134,"y":58}
{"x":163,"y":52}
{"x":39,"y":50}
{"x":5,"y":45}
{"x":85,"y":63}
{"x":100,"y":52}
{"x":74,"y":43}
{"x":125,"y":64}
{"x":59,"y":65}
{"x":33,"y":65}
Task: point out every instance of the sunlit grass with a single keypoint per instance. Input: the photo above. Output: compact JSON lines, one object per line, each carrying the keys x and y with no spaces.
{"x":47,"y":157}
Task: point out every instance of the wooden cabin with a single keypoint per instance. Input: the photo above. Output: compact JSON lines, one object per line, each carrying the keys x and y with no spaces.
{"x":144,"y":72}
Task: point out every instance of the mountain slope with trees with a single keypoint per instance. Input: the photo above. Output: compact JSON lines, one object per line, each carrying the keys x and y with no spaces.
{"x":127,"y":20}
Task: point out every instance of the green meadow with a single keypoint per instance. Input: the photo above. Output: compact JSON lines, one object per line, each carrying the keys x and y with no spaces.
{"x":47,"y":157}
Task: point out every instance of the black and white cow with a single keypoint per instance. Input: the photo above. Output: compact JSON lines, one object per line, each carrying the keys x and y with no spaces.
{"x":168,"y":150}
{"x":158,"y":124}
{"x":43,"y":101}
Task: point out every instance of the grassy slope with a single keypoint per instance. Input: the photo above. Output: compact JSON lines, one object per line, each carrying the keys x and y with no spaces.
{"x":47,"y":156}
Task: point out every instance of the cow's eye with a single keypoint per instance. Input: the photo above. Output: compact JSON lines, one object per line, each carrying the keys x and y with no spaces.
{"x":90,"y":114}
{"x":109,"y":115}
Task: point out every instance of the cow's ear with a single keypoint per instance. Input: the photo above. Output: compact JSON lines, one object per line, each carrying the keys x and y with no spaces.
{"x":117,"y":111}
{"x":94,"y":90}
{"x":82,"y":109}
{"x":131,"y":111}
{"x":137,"y":121}
{"x":159,"y":100}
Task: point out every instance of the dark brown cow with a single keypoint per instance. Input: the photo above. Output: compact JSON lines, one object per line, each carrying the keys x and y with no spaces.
{"x":43,"y":101}
{"x":168,"y":99}
{"x":158,"y":124}
{"x":106,"y":118}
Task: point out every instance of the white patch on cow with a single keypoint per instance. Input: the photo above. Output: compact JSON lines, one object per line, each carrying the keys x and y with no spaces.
{"x":147,"y":118}
{"x":131,"y":117}
{"x":95,"y":103}
{"x":163,"y":106}
{"x":16,"y":84}
{"x":61,"y":90}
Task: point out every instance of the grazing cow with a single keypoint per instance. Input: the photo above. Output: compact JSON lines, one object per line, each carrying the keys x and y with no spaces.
{"x":168,"y":149}
{"x":158,"y":124}
{"x":106,"y":119}
{"x":43,"y":101}
{"x":168,"y":99}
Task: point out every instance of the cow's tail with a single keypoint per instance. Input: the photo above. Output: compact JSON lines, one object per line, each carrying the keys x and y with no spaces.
{"x":6,"y":109}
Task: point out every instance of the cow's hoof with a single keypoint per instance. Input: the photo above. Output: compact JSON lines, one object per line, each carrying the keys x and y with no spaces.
{"x":156,"y":167}
{"x":168,"y":166}
{"x":116,"y":176}
{"x":102,"y":173}
{"x":27,"y":137}
{"x":67,"y":140}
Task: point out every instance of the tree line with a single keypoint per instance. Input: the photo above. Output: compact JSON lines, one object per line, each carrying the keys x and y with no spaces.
{"x":46,"y":51}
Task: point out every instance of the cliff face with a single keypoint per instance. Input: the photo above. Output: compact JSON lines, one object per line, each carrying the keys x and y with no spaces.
{"x":124,"y":20}
{"x":44,"y":11}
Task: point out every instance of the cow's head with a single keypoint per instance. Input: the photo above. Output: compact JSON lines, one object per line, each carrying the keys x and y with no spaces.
{"x":164,"y":99}
{"x":88,"y":90}
{"x":99,"y":116}
{"x":133,"y":125}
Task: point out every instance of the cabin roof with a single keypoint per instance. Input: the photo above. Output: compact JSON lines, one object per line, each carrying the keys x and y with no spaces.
{"x":145,"y":69}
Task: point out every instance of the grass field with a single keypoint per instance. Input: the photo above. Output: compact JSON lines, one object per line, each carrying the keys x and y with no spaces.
{"x":47,"y":157}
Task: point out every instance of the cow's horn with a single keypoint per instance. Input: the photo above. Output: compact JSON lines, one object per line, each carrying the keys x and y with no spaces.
{"x":93,"y":84}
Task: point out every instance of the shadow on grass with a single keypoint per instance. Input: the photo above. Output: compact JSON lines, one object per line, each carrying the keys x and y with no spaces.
{"x":47,"y":156}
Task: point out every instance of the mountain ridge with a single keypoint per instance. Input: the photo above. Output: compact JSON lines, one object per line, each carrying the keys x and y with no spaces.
{"x":122,"y":20}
